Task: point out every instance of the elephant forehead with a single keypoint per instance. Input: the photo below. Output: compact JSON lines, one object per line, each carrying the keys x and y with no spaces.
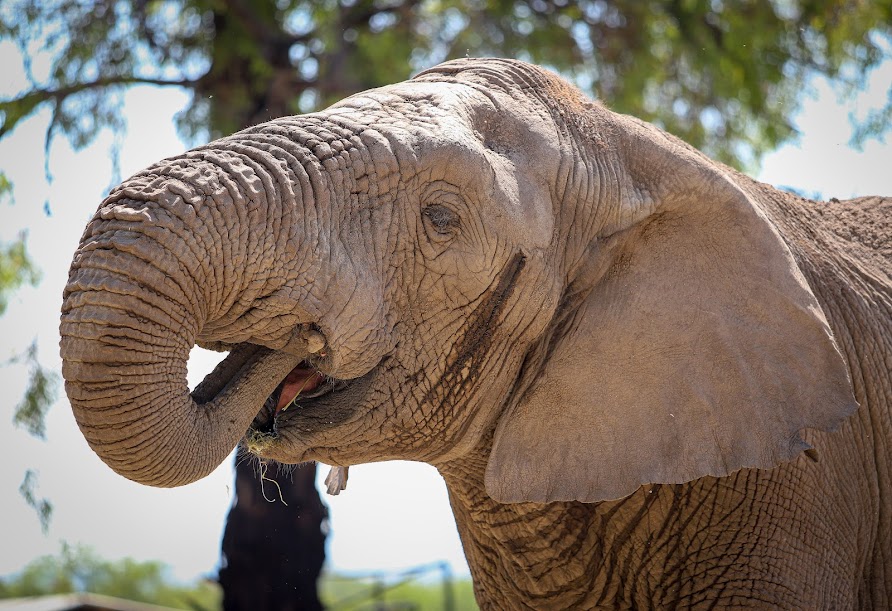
{"x":525,"y":203}
{"x":409,"y":98}
{"x":440,"y":131}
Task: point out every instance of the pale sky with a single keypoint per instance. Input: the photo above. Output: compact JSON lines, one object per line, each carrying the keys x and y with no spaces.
{"x":393,"y":515}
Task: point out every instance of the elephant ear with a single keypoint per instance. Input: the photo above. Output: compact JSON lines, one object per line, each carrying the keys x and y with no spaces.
{"x":699,"y":348}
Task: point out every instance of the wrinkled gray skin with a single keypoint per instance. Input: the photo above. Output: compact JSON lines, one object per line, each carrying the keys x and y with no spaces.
{"x":613,"y":349}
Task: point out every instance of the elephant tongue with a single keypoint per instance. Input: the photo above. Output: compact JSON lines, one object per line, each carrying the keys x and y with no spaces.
{"x":301,"y":379}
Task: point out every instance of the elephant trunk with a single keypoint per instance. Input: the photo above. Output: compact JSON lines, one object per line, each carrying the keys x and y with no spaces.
{"x":141,"y":288}
{"x":130,"y":397}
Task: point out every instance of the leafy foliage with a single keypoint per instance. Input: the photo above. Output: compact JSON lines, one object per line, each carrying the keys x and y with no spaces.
{"x":79,"y":569}
{"x":724,"y":76}
{"x":30,"y":413}
{"x":43,"y":508}
{"x":16,"y":269}
{"x":345,"y":593}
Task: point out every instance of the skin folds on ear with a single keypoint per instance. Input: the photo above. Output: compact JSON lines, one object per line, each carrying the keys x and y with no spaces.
{"x":699,"y":350}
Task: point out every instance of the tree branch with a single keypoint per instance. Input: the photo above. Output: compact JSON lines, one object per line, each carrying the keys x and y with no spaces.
{"x":22,"y":107}
{"x":63,"y":92}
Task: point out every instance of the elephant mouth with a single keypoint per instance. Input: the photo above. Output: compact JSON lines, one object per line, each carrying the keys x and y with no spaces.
{"x":309,"y":398}
{"x":303,"y":383}
{"x":306,"y":400}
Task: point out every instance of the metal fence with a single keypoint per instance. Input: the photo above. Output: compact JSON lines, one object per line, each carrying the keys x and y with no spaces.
{"x":380,"y":584}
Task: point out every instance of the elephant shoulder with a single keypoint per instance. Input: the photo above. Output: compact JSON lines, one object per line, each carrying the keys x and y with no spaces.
{"x":866,"y":221}
{"x":846,"y":244}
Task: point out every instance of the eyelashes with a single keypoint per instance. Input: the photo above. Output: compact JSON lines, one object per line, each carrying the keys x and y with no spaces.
{"x":440,"y":222}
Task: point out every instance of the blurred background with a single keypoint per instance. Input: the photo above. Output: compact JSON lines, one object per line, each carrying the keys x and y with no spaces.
{"x":796,"y":93}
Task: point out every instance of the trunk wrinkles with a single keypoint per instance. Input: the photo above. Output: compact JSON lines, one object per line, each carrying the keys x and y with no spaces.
{"x":229,"y":244}
{"x":189,"y":249}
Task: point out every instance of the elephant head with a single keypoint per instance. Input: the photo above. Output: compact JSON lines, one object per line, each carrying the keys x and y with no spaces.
{"x":475,"y":258}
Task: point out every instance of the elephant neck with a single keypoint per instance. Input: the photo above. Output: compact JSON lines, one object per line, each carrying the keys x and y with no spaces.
{"x":664,"y":546}
{"x":524,"y":555}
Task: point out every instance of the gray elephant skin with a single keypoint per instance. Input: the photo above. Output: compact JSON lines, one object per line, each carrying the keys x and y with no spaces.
{"x":648,"y":380}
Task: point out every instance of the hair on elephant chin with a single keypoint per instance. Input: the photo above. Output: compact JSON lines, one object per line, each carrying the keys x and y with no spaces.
{"x":261,"y":468}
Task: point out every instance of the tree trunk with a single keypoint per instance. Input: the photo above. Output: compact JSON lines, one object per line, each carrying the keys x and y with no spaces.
{"x":274,"y":542}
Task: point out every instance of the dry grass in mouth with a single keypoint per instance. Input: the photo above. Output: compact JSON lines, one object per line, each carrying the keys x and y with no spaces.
{"x":253,"y":442}
{"x":257,"y":441}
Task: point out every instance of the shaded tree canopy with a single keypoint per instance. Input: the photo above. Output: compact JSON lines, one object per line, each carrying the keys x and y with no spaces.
{"x":724,"y":76}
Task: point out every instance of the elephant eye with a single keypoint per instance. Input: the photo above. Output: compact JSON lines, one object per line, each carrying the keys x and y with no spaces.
{"x":440,"y":221}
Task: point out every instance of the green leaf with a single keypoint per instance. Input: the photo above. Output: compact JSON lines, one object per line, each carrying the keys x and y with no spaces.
{"x":30,"y":413}
{"x":78,"y":568}
{"x":28,"y":490}
{"x":746,"y":63}
{"x":16,"y":269}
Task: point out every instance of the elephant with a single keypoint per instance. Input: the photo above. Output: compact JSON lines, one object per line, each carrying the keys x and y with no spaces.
{"x":648,"y":380}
